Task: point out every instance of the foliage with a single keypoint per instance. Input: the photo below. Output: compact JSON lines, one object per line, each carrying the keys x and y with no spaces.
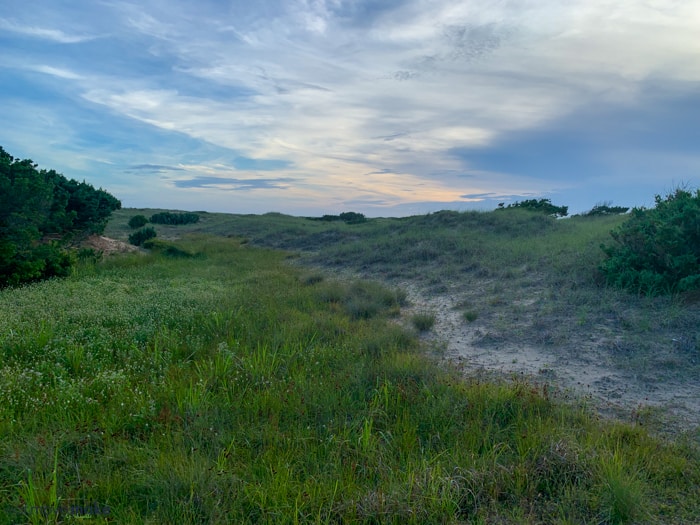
{"x":348,"y":217}
{"x":174,"y":218}
{"x":351,"y":217}
{"x":657,"y":251}
{"x":543,"y":205}
{"x":606,"y":208}
{"x":40,"y":212}
{"x":138,"y":221}
{"x":139,"y":237}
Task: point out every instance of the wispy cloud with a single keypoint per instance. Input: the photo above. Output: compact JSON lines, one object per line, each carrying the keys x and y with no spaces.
{"x":54,"y":35}
{"x":224,"y":183}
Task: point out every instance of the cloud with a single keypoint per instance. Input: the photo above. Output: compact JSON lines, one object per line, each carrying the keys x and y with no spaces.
{"x":152,"y":168}
{"x":54,"y":35}
{"x":234,"y":184}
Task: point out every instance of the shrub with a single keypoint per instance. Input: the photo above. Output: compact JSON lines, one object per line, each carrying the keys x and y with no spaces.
{"x":137,"y":221}
{"x":141,"y":236}
{"x":348,"y":217}
{"x":543,"y":206}
{"x":351,"y":217}
{"x":657,"y":250}
{"x":606,"y":208}
{"x":174,"y":218}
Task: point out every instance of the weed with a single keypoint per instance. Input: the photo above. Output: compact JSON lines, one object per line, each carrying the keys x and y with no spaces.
{"x":423,"y":321}
{"x":470,"y":316}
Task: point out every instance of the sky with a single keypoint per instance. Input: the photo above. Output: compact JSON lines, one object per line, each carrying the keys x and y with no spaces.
{"x":387,"y":108}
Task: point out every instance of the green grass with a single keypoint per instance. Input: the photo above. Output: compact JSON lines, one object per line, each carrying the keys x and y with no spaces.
{"x":423,"y":321}
{"x":232,"y":387}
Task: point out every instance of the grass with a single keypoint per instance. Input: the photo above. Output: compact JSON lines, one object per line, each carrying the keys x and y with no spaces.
{"x":423,"y":321}
{"x":231,"y":386}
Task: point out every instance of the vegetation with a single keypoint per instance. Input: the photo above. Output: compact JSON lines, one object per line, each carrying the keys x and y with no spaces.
{"x":606,"y":209}
{"x":542,"y":205}
{"x":174,"y":218}
{"x":423,"y":321}
{"x":231,"y":387}
{"x":139,"y":237}
{"x":657,"y":251}
{"x":349,"y":217}
{"x":138,"y":221}
{"x":40,"y":211}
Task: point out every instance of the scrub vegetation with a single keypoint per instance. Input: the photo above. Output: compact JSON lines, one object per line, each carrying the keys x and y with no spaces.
{"x":211,"y":381}
{"x":41,"y":214}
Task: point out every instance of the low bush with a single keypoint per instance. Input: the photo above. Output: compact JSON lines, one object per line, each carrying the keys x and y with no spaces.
{"x":139,"y":237}
{"x":174,"y":218}
{"x":137,"y":221}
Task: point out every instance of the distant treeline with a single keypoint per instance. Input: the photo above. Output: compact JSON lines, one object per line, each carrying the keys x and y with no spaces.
{"x":40,"y":212}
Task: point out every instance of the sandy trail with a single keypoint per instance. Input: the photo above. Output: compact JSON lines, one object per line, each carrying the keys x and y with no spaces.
{"x":671,"y":404}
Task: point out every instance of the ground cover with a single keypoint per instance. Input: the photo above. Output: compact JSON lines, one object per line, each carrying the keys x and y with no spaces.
{"x":210,"y":381}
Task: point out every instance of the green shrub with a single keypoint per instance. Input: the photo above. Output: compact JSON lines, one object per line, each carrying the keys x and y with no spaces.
{"x":138,"y":221}
{"x":174,"y":218}
{"x":606,"y":208}
{"x":543,"y":205}
{"x":657,"y":250}
{"x":141,"y":236}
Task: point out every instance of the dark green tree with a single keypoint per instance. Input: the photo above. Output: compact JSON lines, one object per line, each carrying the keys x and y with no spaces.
{"x":40,"y":211}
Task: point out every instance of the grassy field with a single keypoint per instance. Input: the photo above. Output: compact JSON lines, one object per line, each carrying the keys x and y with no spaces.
{"x":215,"y":382}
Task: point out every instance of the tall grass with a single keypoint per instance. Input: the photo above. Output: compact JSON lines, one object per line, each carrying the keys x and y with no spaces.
{"x":230,"y":388}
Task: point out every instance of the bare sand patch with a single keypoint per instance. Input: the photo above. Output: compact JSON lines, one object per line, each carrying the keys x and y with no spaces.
{"x":582,"y":367}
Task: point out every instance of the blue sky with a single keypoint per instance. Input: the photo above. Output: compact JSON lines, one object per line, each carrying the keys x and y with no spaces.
{"x":388,"y":107}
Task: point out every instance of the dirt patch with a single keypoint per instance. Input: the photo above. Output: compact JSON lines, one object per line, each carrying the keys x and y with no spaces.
{"x":578,"y":366}
{"x":108,"y":246}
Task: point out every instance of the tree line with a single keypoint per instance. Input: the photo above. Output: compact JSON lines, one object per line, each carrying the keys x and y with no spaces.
{"x":41,"y":212}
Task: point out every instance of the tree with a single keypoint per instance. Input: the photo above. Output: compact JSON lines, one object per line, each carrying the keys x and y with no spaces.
{"x":40,"y":211}
{"x":657,"y":250}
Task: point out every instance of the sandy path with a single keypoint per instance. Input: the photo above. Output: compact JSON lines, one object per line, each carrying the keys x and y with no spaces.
{"x":671,"y":404}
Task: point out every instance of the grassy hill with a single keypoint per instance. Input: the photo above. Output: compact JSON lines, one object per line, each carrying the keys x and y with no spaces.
{"x":211,"y":381}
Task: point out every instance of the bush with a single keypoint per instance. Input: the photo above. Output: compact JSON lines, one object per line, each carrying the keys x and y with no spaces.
{"x":141,"y":236}
{"x":348,"y":217}
{"x":657,"y":250}
{"x":174,"y":218}
{"x":543,"y":206}
{"x":606,"y":208}
{"x":137,"y":221}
